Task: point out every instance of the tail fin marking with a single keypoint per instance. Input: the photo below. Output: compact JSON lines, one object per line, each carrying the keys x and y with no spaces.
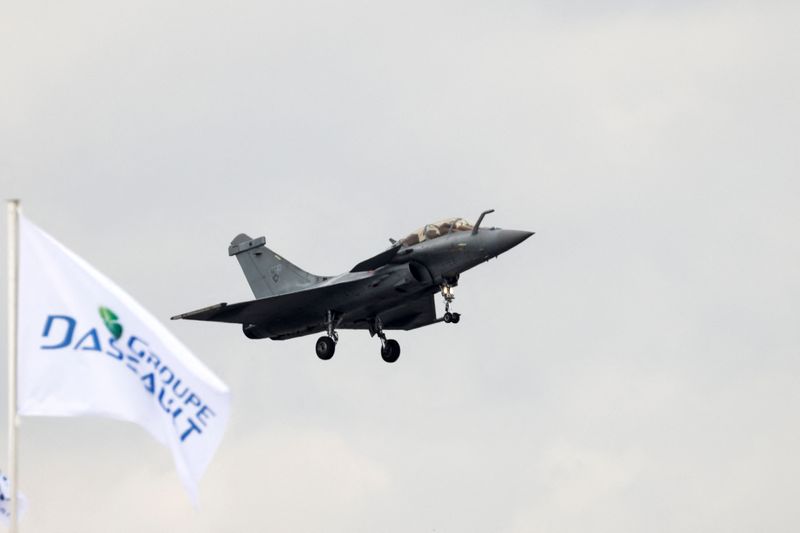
{"x":268,"y":273}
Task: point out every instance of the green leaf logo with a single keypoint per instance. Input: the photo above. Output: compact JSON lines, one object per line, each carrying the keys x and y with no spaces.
{"x":110,"y":320}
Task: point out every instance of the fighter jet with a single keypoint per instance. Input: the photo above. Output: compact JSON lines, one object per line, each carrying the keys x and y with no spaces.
{"x":393,"y":290}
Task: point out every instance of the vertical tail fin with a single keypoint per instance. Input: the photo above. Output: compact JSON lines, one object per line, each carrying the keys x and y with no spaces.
{"x":268,"y":273}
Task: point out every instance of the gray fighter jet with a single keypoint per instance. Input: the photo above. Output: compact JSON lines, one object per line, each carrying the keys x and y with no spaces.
{"x":392,"y":290}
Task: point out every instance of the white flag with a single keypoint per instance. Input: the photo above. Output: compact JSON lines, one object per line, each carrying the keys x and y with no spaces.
{"x":5,"y":502}
{"x":87,"y":348}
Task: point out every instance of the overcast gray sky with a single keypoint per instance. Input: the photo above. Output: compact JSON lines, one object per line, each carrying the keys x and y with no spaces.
{"x":633,"y":367}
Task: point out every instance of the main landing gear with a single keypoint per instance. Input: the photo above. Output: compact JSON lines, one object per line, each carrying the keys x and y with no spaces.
{"x":326,"y":346}
{"x":390,"y":348}
{"x":447,"y":294}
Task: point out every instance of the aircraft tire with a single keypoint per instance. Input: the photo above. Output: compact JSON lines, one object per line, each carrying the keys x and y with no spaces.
{"x":456,"y":318}
{"x":325,"y":348}
{"x":391,"y":351}
{"x":448,"y":317}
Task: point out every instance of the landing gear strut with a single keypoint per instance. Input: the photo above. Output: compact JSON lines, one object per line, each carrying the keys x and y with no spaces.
{"x":447,"y":294}
{"x":326,"y":346}
{"x":390,"y":348}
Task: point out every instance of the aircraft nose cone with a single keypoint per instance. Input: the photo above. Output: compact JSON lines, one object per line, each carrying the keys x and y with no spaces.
{"x":509,"y":238}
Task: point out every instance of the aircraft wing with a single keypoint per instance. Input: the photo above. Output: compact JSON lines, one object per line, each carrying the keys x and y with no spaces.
{"x":309,"y":302}
{"x":298,"y":306}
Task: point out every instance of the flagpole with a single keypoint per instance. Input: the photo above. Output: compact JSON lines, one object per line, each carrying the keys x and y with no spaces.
{"x":13,"y":292}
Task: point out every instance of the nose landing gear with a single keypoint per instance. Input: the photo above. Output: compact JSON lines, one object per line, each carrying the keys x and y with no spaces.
{"x":447,"y":294}
{"x":452,"y":317}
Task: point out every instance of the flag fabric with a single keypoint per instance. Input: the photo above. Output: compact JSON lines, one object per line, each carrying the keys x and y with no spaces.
{"x":88,"y":348}
{"x":5,"y":502}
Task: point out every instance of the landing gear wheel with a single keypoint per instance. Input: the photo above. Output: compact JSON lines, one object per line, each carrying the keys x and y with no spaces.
{"x":448,"y":317}
{"x":325,"y":348}
{"x":390,"y":351}
{"x":455,"y":318}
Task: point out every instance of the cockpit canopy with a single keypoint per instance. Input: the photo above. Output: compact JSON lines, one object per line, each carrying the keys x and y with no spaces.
{"x":437,"y":229}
